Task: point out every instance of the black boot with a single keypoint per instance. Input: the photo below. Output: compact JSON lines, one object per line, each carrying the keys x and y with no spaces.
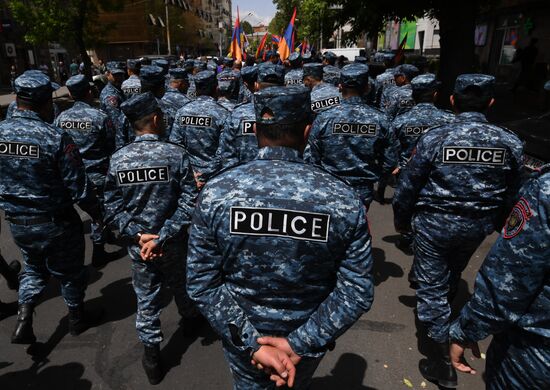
{"x":99,"y":257}
{"x":379,"y":194}
{"x":10,"y":273}
{"x":192,"y":326}
{"x":81,"y":320}
{"x":23,"y":333}
{"x":439,"y":369}
{"x":152,"y":364}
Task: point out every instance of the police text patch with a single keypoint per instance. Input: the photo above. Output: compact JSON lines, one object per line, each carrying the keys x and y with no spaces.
{"x":300,"y":225}
{"x":415,"y":131}
{"x":131,"y":90}
{"x":143,"y":175}
{"x":293,"y":82}
{"x":75,"y":125}
{"x":198,"y":121}
{"x":366,"y":129}
{"x":19,"y":149}
{"x":247,"y":127}
{"x":325,"y":103}
{"x":473,"y":155}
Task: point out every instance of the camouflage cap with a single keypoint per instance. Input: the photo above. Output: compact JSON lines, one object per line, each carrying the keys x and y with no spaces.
{"x":212,"y":65}
{"x":249,"y":74}
{"x":286,"y":105}
{"x":407,"y":70}
{"x":139,"y":106}
{"x":425,"y":82}
{"x":188,"y":65}
{"x":205,"y":79}
{"x":228,"y":61}
{"x":485,"y":83}
{"x":330,"y":56}
{"x":331,"y":74}
{"x":133,"y":64}
{"x":151,"y":75}
{"x":115,"y":67}
{"x":295,"y":59}
{"x":163,"y":64}
{"x":200,"y":65}
{"x":34,"y":85}
{"x":313,"y":69}
{"x":355,"y":75}
{"x":228,"y":80}
{"x":79,"y":84}
{"x":270,"y":73}
{"x":361,"y":60}
{"x":307,"y":57}
{"x":179,"y":74}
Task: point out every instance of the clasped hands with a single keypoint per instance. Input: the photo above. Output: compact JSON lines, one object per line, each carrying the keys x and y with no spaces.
{"x":277,"y":359}
{"x":149,"y":247}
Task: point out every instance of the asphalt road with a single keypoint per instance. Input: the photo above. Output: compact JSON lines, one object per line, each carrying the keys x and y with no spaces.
{"x":381,"y":351}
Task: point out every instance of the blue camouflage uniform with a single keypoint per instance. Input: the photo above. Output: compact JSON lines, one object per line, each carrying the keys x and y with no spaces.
{"x":463,"y":176}
{"x":512,"y":296}
{"x":228,"y":85}
{"x":398,"y":99}
{"x":253,"y":271}
{"x":331,"y":75}
{"x":89,"y":128}
{"x":382,"y":82}
{"x":198,"y":126}
{"x":249,"y":74}
{"x":409,"y":126}
{"x":238,"y":142}
{"x":132,"y":85}
{"x":150,"y":189}
{"x":323,"y":95}
{"x":198,"y":66}
{"x":353,"y":140}
{"x":165,"y":66}
{"x":110,"y":99}
{"x":13,"y":106}
{"x":42,"y":176}
{"x":295,"y":76}
{"x":173,"y":97}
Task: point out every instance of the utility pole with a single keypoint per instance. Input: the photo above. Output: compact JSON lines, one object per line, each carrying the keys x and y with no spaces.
{"x":168,"y":29}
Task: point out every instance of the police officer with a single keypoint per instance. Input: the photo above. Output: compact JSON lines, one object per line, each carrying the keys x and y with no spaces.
{"x":383,"y":81}
{"x":90,"y":129}
{"x":264,"y":230}
{"x":329,"y":58}
{"x":295,"y":75}
{"x":10,"y":272}
{"x":249,"y":75}
{"x":132,"y":85}
{"x":149,"y":196}
{"x":397,"y":98}
{"x":331,"y":75}
{"x":42,"y":176}
{"x":238,"y":144}
{"x":228,"y":88}
{"x":353,"y":140}
{"x":511,"y":298}
{"x":189,"y":66}
{"x":165,"y":66}
{"x":110,"y":99}
{"x":323,"y":95}
{"x":198,"y":126}
{"x":464,"y":176}
{"x":176,"y":94}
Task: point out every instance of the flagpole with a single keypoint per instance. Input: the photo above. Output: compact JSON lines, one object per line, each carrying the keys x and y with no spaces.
{"x":168,"y":29}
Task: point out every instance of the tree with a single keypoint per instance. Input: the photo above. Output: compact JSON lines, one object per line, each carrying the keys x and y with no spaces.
{"x":456,"y":23}
{"x":72,"y":21}
{"x":247,"y":28}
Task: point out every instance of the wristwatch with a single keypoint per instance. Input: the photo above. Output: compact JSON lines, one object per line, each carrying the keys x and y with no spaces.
{"x":138,"y":236}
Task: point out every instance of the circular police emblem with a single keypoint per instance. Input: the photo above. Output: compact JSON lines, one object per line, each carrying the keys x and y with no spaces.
{"x":516,"y":221}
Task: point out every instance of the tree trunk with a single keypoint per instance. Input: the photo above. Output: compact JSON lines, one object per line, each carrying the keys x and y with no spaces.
{"x":79,"y":37}
{"x":457,"y":32}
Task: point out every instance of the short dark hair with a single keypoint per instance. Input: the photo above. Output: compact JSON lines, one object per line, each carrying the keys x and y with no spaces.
{"x":277,"y":132}
{"x":32,"y":105}
{"x":423,"y":95}
{"x":206,"y":90}
{"x":472,"y":99}
{"x":145,"y":121}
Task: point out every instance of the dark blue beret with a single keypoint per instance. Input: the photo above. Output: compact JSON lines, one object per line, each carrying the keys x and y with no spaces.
{"x":484,"y":82}
{"x":228,"y":80}
{"x":425,"y":82}
{"x":205,"y":79}
{"x":331,"y":74}
{"x":152,"y":75}
{"x":270,"y":73}
{"x":287,"y":105}
{"x":179,"y":74}
{"x":139,"y":106}
{"x":295,"y":59}
{"x":228,"y":61}
{"x":361,"y":59}
{"x":34,"y":85}
{"x":249,"y":74}
{"x":115,"y":67}
{"x":78,"y":84}
{"x":407,"y":70}
{"x":313,"y":69}
{"x":355,"y":75}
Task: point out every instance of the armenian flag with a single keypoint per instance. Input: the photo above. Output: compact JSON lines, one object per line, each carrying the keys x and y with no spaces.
{"x":286,"y":46}
{"x":236,"y":51}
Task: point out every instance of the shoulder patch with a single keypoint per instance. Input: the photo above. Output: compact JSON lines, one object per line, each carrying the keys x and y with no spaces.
{"x":112,"y":101}
{"x":520,"y":214}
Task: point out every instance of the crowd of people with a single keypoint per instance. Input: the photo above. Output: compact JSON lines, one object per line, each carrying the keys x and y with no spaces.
{"x":243,"y":191}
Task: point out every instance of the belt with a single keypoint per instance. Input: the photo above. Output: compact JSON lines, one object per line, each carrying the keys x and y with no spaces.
{"x":22,"y":221}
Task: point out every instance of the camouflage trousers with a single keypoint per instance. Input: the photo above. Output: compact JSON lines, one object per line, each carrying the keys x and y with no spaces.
{"x":98,"y":234}
{"x":517,"y":361}
{"x":443,"y":245}
{"x":52,"y":248}
{"x":248,"y":377}
{"x":155,"y":283}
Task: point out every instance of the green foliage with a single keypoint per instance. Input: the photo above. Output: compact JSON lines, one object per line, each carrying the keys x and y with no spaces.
{"x":247,"y":27}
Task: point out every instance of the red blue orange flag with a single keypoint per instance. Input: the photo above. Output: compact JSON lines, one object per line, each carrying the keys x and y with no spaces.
{"x":262,"y":44}
{"x":287,"y":41}
{"x":275,"y":39}
{"x":236,"y":48}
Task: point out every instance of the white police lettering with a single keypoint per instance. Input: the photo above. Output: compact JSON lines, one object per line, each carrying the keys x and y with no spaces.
{"x":293,"y":81}
{"x":75,"y":125}
{"x":366,"y":129}
{"x":143,"y":175}
{"x":325,"y":103}
{"x":19,"y":149}
{"x":247,"y":127}
{"x":415,"y":131}
{"x":131,"y":90}
{"x":198,"y":121}
{"x":300,"y":225}
{"x":473,"y":155}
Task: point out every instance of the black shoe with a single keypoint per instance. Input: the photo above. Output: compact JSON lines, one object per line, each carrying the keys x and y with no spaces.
{"x":81,"y":320}
{"x":99,"y":257}
{"x":440,"y":369}
{"x":379,"y":197}
{"x":23,"y":333}
{"x":192,"y":326}
{"x":152,"y":364}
